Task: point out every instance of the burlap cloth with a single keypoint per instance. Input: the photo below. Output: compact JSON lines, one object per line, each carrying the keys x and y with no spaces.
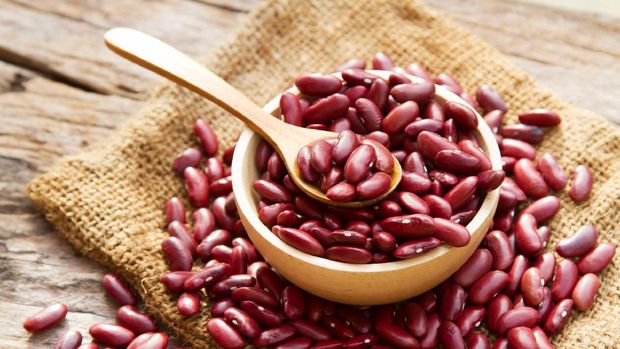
{"x":107,"y":201}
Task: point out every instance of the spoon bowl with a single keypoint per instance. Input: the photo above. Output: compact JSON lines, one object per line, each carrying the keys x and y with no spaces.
{"x":359,"y":284}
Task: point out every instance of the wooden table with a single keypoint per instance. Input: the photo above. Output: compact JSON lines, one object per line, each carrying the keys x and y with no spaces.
{"x":62,"y":90}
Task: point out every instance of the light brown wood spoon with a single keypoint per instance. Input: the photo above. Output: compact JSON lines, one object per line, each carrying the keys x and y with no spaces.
{"x":286,"y":139}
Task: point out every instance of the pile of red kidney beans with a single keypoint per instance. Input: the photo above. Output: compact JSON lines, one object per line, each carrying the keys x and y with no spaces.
{"x":513,"y":291}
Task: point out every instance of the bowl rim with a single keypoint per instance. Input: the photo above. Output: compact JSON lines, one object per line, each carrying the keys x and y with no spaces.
{"x":246,"y":201}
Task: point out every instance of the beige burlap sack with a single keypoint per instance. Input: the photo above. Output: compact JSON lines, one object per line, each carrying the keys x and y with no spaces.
{"x":108,"y":201}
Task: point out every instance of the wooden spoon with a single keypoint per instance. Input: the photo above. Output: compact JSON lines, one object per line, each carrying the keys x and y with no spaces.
{"x":286,"y":139}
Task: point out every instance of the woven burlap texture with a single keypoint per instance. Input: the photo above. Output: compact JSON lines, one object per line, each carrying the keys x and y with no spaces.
{"x":107,"y":202}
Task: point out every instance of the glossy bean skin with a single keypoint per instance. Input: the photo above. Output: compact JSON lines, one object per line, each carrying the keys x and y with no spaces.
{"x":175,"y":210}
{"x":326,"y":109}
{"x":579,"y":243}
{"x":347,"y":237}
{"x":224,"y":334}
{"x":203,"y":223}
{"x":396,"y":336}
{"x":526,"y":133}
{"x":178,"y":256}
{"x":378,"y":93}
{"x":457,"y":161}
{"x":358,"y":164}
{"x":452,"y":302}
{"x":321,"y":156}
{"x":585,"y":291}
{"x":70,"y":340}
{"x":369,"y":114}
{"x":519,"y":316}
{"x":415,"y":183}
{"x":384,"y":161}
{"x":500,"y":248}
{"x":118,"y":289}
{"x":262,"y":315}
{"x":542,"y":341}
{"x":543,"y":209}
{"x":293,"y":302}
{"x":112,"y":335}
{"x":256,"y":295}
{"x":527,"y":239}
{"x":174,"y":281}
{"x":546,"y":264}
{"x":521,"y":338}
{"x":227,"y":285}
{"x":494,"y":119}
{"x":207,"y":137}
{"x":190,"y":157}
{"x":462,"y":192}
{"x":452,"y":233}
{"x":449,"y":82}
{"x":240,"y":320}
{"x":552,"y":172}
{"x":345,"y":144}
{"x":438,"y":206}
{"x":188,"y":304}
{"x":400,"y":117}
{"x":581,"y":187}
{"x":532,"y":286}
{"x":558,"y":316}
{"x":216,"y":237}
{"x":478,"y":340}
{"x":490,"y":284}
{"x":517,"y":149}
{"x":415,"y":163}
{"x":373,"y":186}
{"x":566,"y":274}
{"x":415,"y":247}
{"x":450,"y":336}
{"x":134,"y":320}
{"x":149,"y":340}
{"x":431,"y":339}
{"x":418,"y":92}
{"x":337,"y":327}
{"x":495,"y":309}
{"x":529,"y":179}
{"x":409,"y":226}
{"x":330,"y":178}
{"x":414,"y":128}
{"x":46,"y":318}
{"x":474,"y":268}
{"x":290,"y":107}
{"x":413,"y":203}
{"x":540,"y":117}
{"x":470,"y":317}
{"x":348,"y":254}
{"x":470,"y":147}
{"x":357,"y":320}
{"x":430,"y":144}
{"x":306,"y":170}
{"x":179,"y":230}
{"x":318,"y":85}
{"x":300,"y":240}
{"x":272,"y":191}
{"x":464,"y":117}
{"x":197,"y":185}
{"x":489,"y":99}
{"x":545,"y":306}
{"x":490,"y":179}
{"x":597,"y":259}
{"x":219,"y":306}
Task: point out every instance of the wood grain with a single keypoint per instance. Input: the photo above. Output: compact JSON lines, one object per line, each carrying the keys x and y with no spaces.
{"x":61,"y":90}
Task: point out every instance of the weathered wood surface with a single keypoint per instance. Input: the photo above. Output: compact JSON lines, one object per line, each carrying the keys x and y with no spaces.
{"x":61,"y":90}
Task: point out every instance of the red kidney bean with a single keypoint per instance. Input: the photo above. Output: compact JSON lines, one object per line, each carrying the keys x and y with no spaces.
{"x":542,"y":341}
{"x":293,"y":302}
{"x":448,"y":82}
{"x":227,"y":157}
{"x":207,"y":137}
{"x":495,"y":309}
{"x":216,"y":237}
{"x":272,"y":191}
{"x":310,"y":330}
{"x":221,"y":187}
{"x":409,"y":226}
{"x":474,"y":268}
{"x":452,"y":233}
{"x":89,"y":346}
{"x":378,"y":93}
{"x":430,"y":339}
{"x":149,"y":340}
{"x":318,"y":85}
{"x":494,"y":119}
{"x":413,"y":203}
{"x":579,"y":243}
{"x":306,"y":170}
{"x":417,"y":321}
{"x":398,"y":78}
{"x":112,"y":335}
{"x":70,"y":340}
{"x":224,"y":334}
{"x":489,"y":285}
{"x":178,"y":256}
{"x":517,"y":149}
{"x":295,"y":343}
{"x":438,"y":206}
{"x":276,"y":167}
{"x":581,"y":187}
{"x":301,"y":241}
{"x":197,"y":186}
{"x":256,"y":295}
{"x":332,"y":222}
{"x":558,"y":316}
{"x":381,"y":61}
{"x":462,"y":192}
{"x":521,"y":316}
{"x":527,"y":239}
{"x":414,"y":128}
{"x":529,"y":179}
{"x":490,"y":179}
{"x":456,"y":161}
{"x":540,"y":117}
{"x":263,"y":153}
{"x":264,"y":316}
{"x":332,"y":177}
{"x":478,"y":340}
{"x":399,"y":155}
{"x":369,"y":114}
{"x":418,"y":70}
{"x":354,"y":318}
{"x":214,"y":169}
{"x":190,"y":157}
{"x":415,"y":247}
{"x":328,"y":344}
{"x":470,"y":147}
{"x":117,"y":289}
{"x":134,"y":320}
{"x":430,"y":144}
{"x":452,"y":302}
{"x":415,"y":183}
{"x":240,"y":320}
{"x":340,"y":124}
{"x":238,"y":261}
{"x":174,"y":280}
{"x":543,"y":209}
{"x":175,"y":210}
{"x":544,"y":233}
{"x":188,"y":304}
{"x":464,"y":117}
{"x":347,"y":237}
{"x":396,"y":336}
{"x":355,"y":121}
{"x":248,"y":248}
{"x":597,"y":259}
{"x":46,"y":318}
{"x":450,"y":336}
{"x":507,"y":201}
{"x":290,"y":107}
{"x":179,"y":230}
{"x":421,"y":92}
{"x":489,"y":99}
{"x":436,"y":189}
{"x":326,"y":109}
{"x":384,"y":161}
{"x":359,"y":163}
{"x":515,"y":274}
{"x":552,"y":172}
{"x":356,"y":92}
{"x":464,"y":217}
{"x":546,"y":264}
{"x":526,"y":133}
{"x":566,"y":275}
{"x":503,"y":221}
{"x":269,"y":214}
{"x":545,"y":306}
{"x":585,"y":291}
{"x":388,"y":208}
{"x":532,"y":285}
{"x":363,"y":341}
{"x":348,"y":254}
{"x":397,"y":119}
{"x":373,"y":186}
{"x":337,"y":327}
{"x":500,"y":248}
{"x":227,"y":285}
{"x":219,"y":306}
{"x":347,"y":142}
{"x":470,"y":318}
{"x":321,"y":156}
{"x":415,"y":163}
{"x":321,"y":234}
{"x":521,"y":338}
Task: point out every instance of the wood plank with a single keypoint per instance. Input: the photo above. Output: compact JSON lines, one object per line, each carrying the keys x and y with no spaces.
{"x":64,"y":39}
{"x":576,"y":55}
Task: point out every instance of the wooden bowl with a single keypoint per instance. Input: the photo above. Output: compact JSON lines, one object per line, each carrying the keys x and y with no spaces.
{"x":361,"y":284}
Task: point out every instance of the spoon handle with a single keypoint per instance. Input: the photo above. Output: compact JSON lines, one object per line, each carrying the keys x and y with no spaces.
{"x":165,"y":60}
